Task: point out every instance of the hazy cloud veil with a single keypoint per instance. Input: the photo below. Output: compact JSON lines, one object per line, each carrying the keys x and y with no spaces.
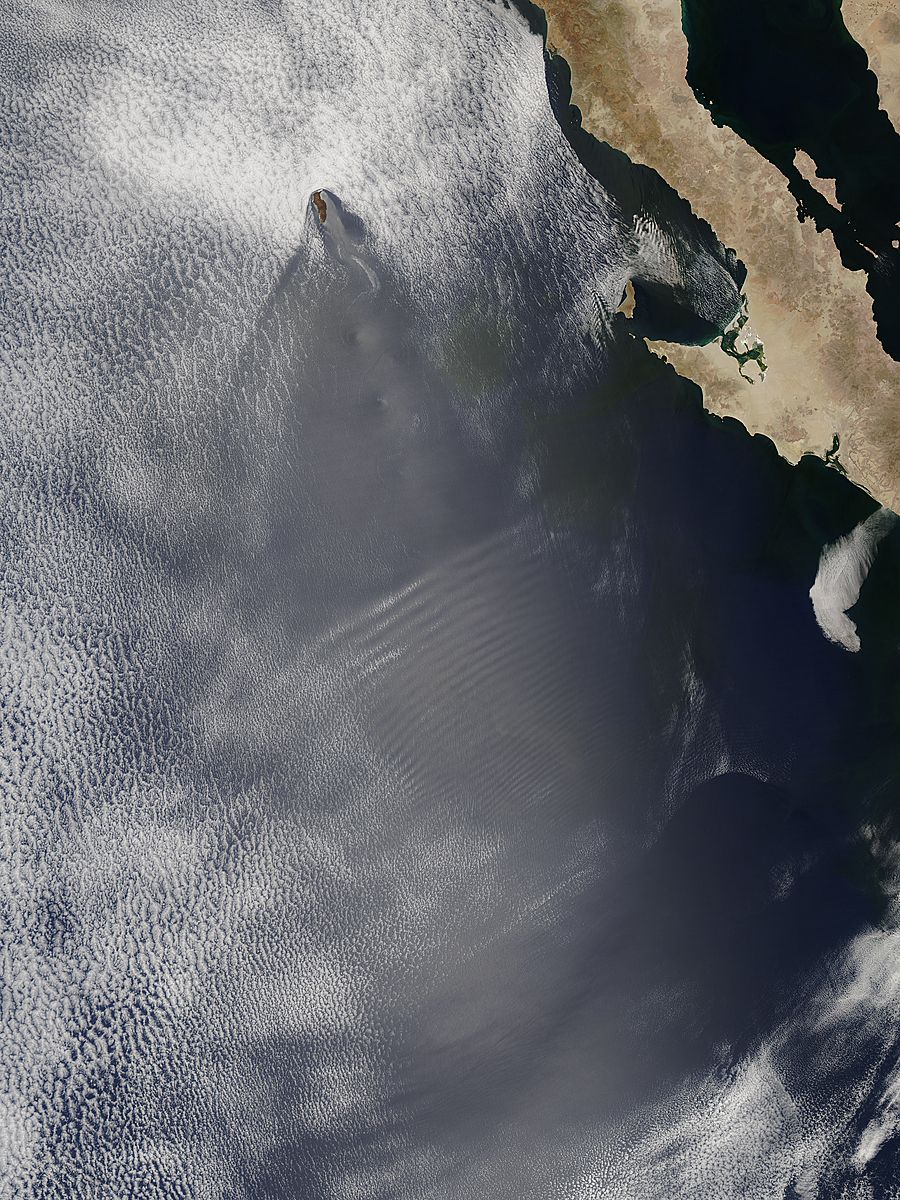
{"x":384,"y":639}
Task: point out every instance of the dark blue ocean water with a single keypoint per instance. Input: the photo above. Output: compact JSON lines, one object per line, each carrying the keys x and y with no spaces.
{"x":426,"y":774}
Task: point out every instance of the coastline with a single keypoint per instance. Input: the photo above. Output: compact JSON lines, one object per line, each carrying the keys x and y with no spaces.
{"x":828,"y":374}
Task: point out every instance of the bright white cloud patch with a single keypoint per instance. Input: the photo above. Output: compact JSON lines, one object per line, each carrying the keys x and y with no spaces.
{"x":843,"y":568}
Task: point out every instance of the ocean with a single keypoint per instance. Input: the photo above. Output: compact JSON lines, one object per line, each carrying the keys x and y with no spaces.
{"x":426,"y":773}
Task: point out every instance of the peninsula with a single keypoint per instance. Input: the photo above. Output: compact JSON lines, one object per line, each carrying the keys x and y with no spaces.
{"x":830,"y":388}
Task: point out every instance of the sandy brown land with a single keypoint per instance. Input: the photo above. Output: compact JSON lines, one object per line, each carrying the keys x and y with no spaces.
{"x":875,"y":24}
{"x":827,"y":372}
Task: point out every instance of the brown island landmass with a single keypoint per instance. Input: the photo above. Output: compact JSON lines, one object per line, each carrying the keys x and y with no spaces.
{"x":827,"y":373}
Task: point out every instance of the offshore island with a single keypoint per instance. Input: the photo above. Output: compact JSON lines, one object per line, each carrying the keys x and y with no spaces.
{"x":830,"y":388}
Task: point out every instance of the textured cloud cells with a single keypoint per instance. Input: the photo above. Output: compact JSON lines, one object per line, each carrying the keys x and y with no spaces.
{"x":391,"y":806}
